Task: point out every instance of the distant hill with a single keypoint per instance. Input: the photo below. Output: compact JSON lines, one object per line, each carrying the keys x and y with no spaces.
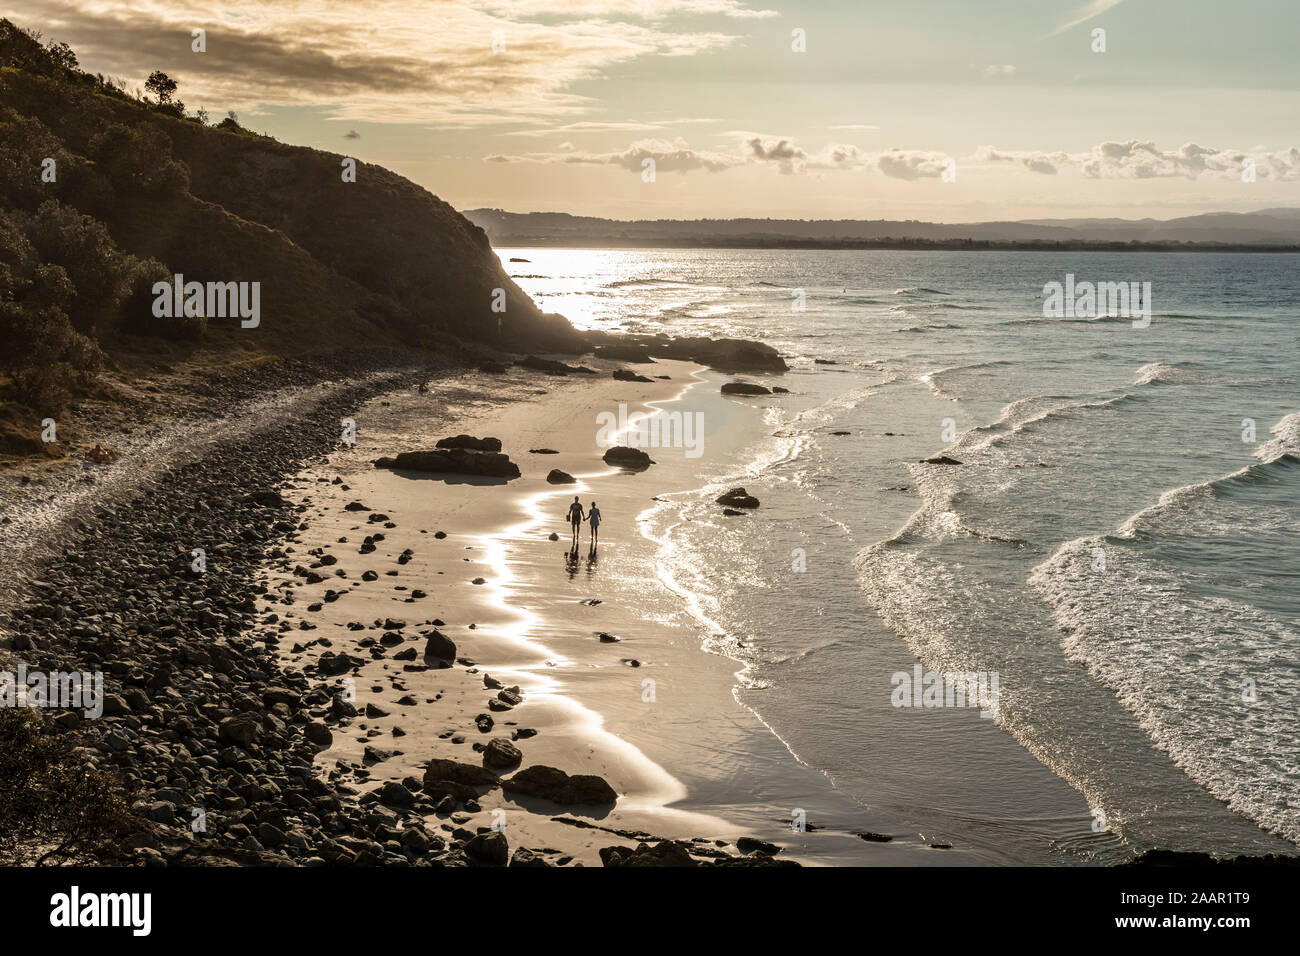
{"x":103,"y":194}
{"x":1268,"y":228}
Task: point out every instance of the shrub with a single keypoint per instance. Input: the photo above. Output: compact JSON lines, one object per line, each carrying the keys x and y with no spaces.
{"x":137,"y":160}
{"x":44,"y":356}
{"x":51,"y":804}
{"x":137,"y":310}
{"x":83,"y":247}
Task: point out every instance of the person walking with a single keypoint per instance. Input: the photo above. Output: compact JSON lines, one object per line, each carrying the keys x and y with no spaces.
{"x":575,"y":520}
{"x":593,"y":519}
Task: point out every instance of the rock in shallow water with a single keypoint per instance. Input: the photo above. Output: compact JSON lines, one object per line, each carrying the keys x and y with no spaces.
{"x":738,"y":498}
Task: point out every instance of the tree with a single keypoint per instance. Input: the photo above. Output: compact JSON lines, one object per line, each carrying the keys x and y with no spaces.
{"x":160,"y":85}
{"x":63,"y":55}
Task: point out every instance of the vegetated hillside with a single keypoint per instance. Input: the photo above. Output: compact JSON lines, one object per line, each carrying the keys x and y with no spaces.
{"x":140,"y":192}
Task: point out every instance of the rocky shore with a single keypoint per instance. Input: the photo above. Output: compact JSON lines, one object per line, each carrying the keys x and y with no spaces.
{"x":212,"y":736}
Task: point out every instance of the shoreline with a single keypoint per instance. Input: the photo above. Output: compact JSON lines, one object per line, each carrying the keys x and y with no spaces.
{"x":583,"y":728}
{"x":513,"y":627}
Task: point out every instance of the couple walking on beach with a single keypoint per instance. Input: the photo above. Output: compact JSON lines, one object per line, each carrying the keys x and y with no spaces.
{"x":576,"y":517}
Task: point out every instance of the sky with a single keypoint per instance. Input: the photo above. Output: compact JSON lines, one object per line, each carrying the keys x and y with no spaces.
{"x":942,"y":110}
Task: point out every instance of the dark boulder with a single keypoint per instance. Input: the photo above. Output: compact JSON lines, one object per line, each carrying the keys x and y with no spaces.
{"x":439,"y":646}
{"x":738,"y":498}
{"x":744,"y":388}
{"x":623,"y":353}
{"x":621,"y":456}
{"x":663,"y":853}
{"x":455,"y":461}
{"x":490,"y":848}
{"x":548,"y":783}
{"x":470,"y":442}
{"x":501,"y":754}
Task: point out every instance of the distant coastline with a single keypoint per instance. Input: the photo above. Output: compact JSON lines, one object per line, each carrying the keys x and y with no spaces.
{"x":1267,"y":230}
{"x":915,"y":245}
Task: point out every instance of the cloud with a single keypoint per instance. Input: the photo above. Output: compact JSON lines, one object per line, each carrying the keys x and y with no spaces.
{"x":590,"y":127}
{"x":787,"y":157}
{"x":675,"y":156}
{"x":640,"y":9}
{"x":383,"y":60}
{"x":911,"y":163}
{"x":994,"y":70}
{"x":1137,"y":159}
{"x":865,"y":127}
{"x":1143,"y":159}
{"x":1035,"y":162}
{"x":351,"y":134}
{"x":1134,"y":159}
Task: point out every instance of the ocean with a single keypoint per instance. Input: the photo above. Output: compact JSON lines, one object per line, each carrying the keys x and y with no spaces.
{"x":1117,"y":546}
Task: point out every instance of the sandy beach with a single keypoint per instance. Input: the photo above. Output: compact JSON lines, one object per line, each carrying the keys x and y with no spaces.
{"x":624,"y":710}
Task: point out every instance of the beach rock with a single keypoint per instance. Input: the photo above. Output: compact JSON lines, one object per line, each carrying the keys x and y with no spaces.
{"x":492,"y":368}
{"x":551,"y":366}
{"x":442,"y":770}
{"x":553,"y":536}
{"x":623,"y":353}
{"x":744,"y":388}
{"x":751,"y":845}
{"x":557,"y":477}
{"x":490,"y":848}
{"x":733,"y":513}
{"x":471,"y":443}
{"x":394,"y":794}
{"x":455,"y":461}
{"x":663,"y":853}
{"x":725,"y":355}
{"x":501,"y":753}
{"x":319,"y":734}
{"x":265,"y":499}
{"x":242,"y":731}
{"x":738,"y":498}
{"x":778,"y":390}
{"x":627,"y":375}
{"x":440,"y":647}
{"x":622,"y":456}
{"x":355,"y":506}
{"x":526,"y":857}
{"x":542,"y":451}
{"x":555,"y":785}
{"x":940,"y":460}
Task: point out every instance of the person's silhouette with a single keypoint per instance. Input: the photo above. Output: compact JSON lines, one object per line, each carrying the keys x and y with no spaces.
{"x":575,"y":520}
{"x":593,"y":519}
